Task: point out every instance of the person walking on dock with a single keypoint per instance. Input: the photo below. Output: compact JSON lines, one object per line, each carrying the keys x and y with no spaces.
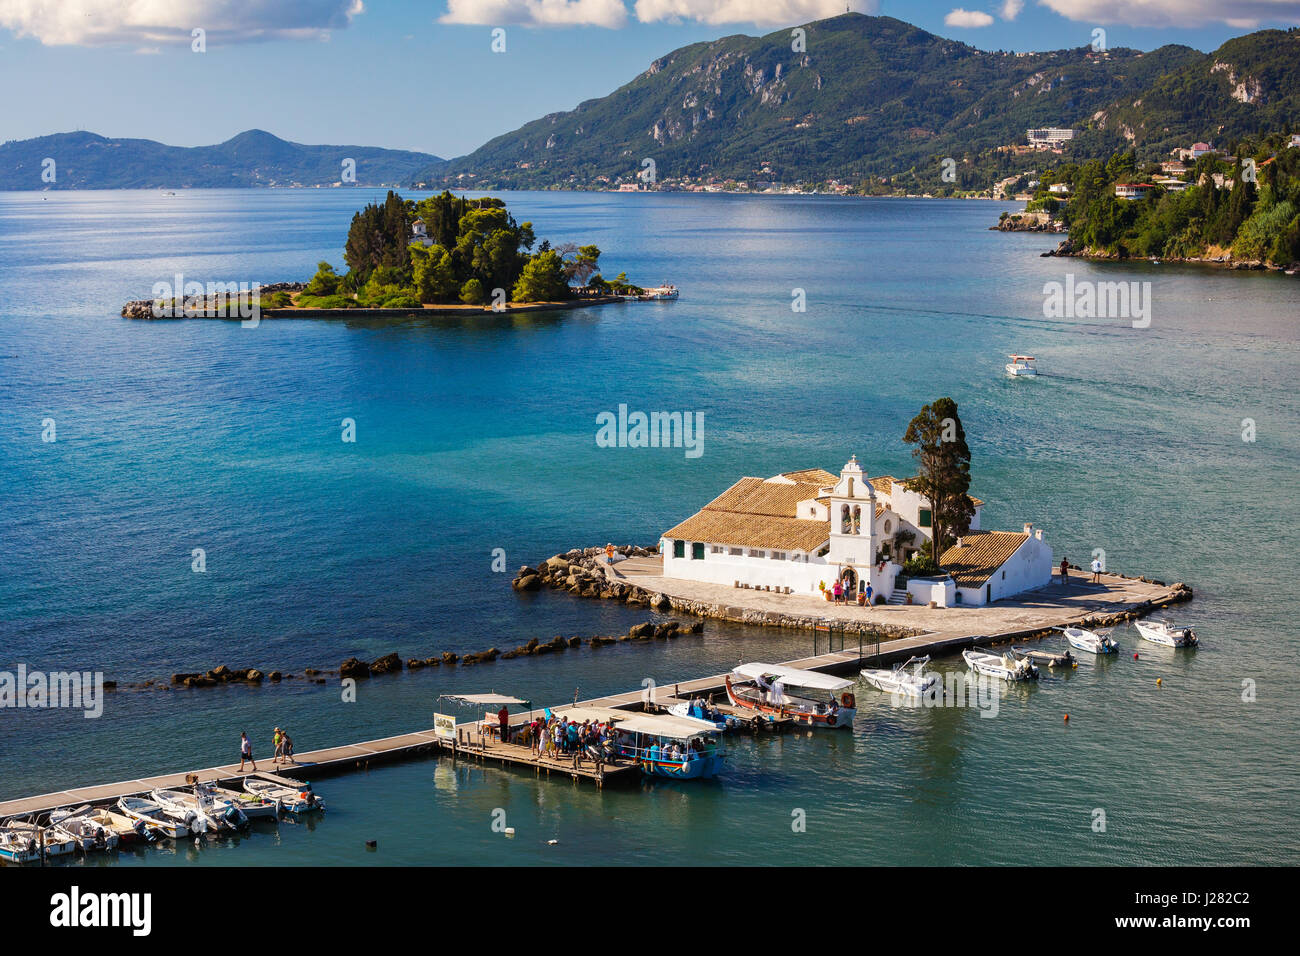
{"x":278,"y":740}
{"x":245,"y":751}
{"x":1096,"y":570}
{"x":1065,"y":572}
{"x":287,"y":743}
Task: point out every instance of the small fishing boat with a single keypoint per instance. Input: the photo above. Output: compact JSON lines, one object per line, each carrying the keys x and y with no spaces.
{"x":154,"y":818}
{"x":57,"y":843}
{"x":251,"y":805}
{"x":908,"y":679}
{"x":663,"y":292}
{"x":681,"y":748}
{"x":300,"y":800}
{"x":1094,"y":642}
{"x":1167,"y":633}
{"x":1050,"y":658}
{"x":699,"y":710}
{"x":89,"y":832}
{"x":1022,"y":366}
{"x":18,"y":845}
{"x":1008,"y":667}
{"x":185,"y":808}
{"x":761,"y":690}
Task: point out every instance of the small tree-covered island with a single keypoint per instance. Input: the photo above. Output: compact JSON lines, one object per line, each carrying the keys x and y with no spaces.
{"x":444,"y":252}
{"x":447,"y":250}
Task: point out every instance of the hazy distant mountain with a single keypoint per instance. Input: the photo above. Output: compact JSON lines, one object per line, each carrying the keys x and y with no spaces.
{"x":253,"y":158}
{"x":868,"y":95}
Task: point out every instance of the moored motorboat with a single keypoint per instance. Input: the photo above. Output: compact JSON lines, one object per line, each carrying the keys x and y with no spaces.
{"x":908,"y":679}
{"x":1008,"y":666}
{"x":699,"y":710}
{"x":184,"y":807}
{"x":300,"y":800}
{"x":153,"y":817}
{"x":54,"y":840}
{"x":1094,"y":642}
{"x":87,"y":830}
{"x":1167,"y":633}
{"x":1050,"y":658}
{"x":18,"y":845}
{"x":251,"y":805}
{"x":761,"y":690}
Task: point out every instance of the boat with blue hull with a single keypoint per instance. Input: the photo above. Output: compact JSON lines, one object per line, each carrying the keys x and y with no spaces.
{"x":680,"y":748}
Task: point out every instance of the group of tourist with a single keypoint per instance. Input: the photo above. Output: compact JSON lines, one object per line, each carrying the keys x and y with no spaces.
{"x":847,"y":594}
{"x":558,"y":736}
{"x":282,"y":742}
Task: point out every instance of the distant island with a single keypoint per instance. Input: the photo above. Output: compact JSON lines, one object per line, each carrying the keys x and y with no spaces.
{"x":253,"y":158}
{"x":1239,"y":209}
{"x":863,"y":105}
{"x":443,"y":253}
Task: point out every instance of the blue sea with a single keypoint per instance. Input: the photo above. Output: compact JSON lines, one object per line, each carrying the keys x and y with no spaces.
{"x":476,"y":437}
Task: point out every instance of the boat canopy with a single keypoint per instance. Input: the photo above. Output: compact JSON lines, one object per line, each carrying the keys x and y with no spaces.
{"x":483,"y":700}
{"x":597,"y":715}
{"x":666,"y":725}
{"x":1020,"y":358}
{"x":793,"y":676}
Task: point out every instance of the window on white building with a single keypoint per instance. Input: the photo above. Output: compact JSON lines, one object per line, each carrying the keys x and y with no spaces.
{"x":757,"y":554}
{"x":736,"y":552}
{"x":717,"y":549}
{"x":778,"y":555}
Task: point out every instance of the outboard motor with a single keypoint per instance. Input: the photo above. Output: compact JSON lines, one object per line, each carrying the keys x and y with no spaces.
{"x":101,"y":839}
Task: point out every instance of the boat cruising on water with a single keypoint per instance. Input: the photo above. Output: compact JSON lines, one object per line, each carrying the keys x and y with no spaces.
{"x":908,"y":679}
{"x":1094,"y":642}
{"x":1009,"y":666}
{"x":1167,"y":633}
{"x":761,"y":689}
{"x":153,"y":817}
{"x":1022,"y":366}
{"x":301,"y":799}
{"x":681,"y":748}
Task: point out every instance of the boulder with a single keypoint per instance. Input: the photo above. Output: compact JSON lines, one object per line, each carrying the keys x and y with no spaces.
{"x":414,"y":663}
{"x":432,"y":661}
{"x":557,"y":563}
{"x":253,"y":675}
{"x":200,"y":681}
{"x":575,"y":642}
{"x":388,"y":664}
{"x":449,"y":658}
{"x":219,"y":673}
{"x":275,"y":677}
{"x":527,"y":582}
{"x":182,"y":678}
{"x":601,"y":641}
{"x":641,"y":631}
{"x":696,"y":628}
{"x":349,"y":668}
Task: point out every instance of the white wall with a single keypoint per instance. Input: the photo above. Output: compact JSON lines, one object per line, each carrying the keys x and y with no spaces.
{"x":803,"y":576}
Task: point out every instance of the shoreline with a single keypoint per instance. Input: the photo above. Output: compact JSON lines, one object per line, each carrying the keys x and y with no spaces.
{"x":142,"y":309}
{"x":1065,"y":251}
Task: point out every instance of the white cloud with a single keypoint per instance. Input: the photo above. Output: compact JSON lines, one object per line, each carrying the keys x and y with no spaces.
{"x":540,"y":13}
{"x":1239,"y":14}
{"x":99,"y":22}
{"x":762,"y":12}
{"x":967,"y":18}
{"x":614,"y":14}
{"x":1011,"y":9}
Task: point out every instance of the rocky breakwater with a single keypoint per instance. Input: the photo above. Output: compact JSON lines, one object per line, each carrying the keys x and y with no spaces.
{"x":1028,"y":222}
{"x":205,"y":306}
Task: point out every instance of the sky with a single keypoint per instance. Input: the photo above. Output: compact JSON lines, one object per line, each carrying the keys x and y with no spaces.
{"x":407,"y":74}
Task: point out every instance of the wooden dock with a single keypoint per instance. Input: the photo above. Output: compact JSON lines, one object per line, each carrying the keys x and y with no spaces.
{"x":1031,"y":616}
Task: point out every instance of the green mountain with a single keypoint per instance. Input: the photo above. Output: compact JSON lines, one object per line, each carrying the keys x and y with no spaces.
{"x":1250,"y":86}
{"x":253,"y":158}
{"x":867,"y":96}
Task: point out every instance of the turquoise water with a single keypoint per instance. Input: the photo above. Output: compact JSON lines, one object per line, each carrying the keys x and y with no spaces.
{"x":478,"y":435}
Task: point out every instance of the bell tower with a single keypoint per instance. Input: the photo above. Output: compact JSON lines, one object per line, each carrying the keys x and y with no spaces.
{"x":852,"y":505}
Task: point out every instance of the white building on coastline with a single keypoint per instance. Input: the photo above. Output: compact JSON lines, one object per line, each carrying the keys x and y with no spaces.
{"x":800,"y":531}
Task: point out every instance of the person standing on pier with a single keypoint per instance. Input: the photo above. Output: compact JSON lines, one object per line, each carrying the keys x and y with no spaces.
{"x":245,"y":751}
{"x":1096,"y":570}
{"x":503,"y":718}
{"x":1065,"y":572}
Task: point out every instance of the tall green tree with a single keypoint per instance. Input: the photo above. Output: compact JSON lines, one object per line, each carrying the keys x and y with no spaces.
{"x":379,"y":236}
{"x":542,"y":280}
{"x":943,"y":470}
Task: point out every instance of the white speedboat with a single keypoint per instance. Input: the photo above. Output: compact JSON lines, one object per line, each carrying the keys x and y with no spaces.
{"x":249,"y":805}
{"x":300,"y":800}
{"x":1094,"y":642}
{"x":154,"y":818}
{"x":1167,"y":633}
{"x":699,"y":710}
{"x":85,"y":828}
{"x":1008,"y":667}
{"x":1022,"y":366}
{"x":57,"y":843}
{"x":902,"y":681}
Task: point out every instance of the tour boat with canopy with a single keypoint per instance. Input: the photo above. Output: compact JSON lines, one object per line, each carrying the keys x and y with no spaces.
{"x":680,"y":748}
{"x":762,"y":689}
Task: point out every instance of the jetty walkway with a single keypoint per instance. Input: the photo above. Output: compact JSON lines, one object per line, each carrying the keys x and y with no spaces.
{"x":937,"y":631}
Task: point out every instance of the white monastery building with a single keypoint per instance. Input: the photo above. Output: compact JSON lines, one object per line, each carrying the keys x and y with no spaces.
{"x":800,"y":531}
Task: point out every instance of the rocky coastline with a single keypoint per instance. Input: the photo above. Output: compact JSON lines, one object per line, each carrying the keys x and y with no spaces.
{"x":1066,"y":249}
{"x":1028,"y":222}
